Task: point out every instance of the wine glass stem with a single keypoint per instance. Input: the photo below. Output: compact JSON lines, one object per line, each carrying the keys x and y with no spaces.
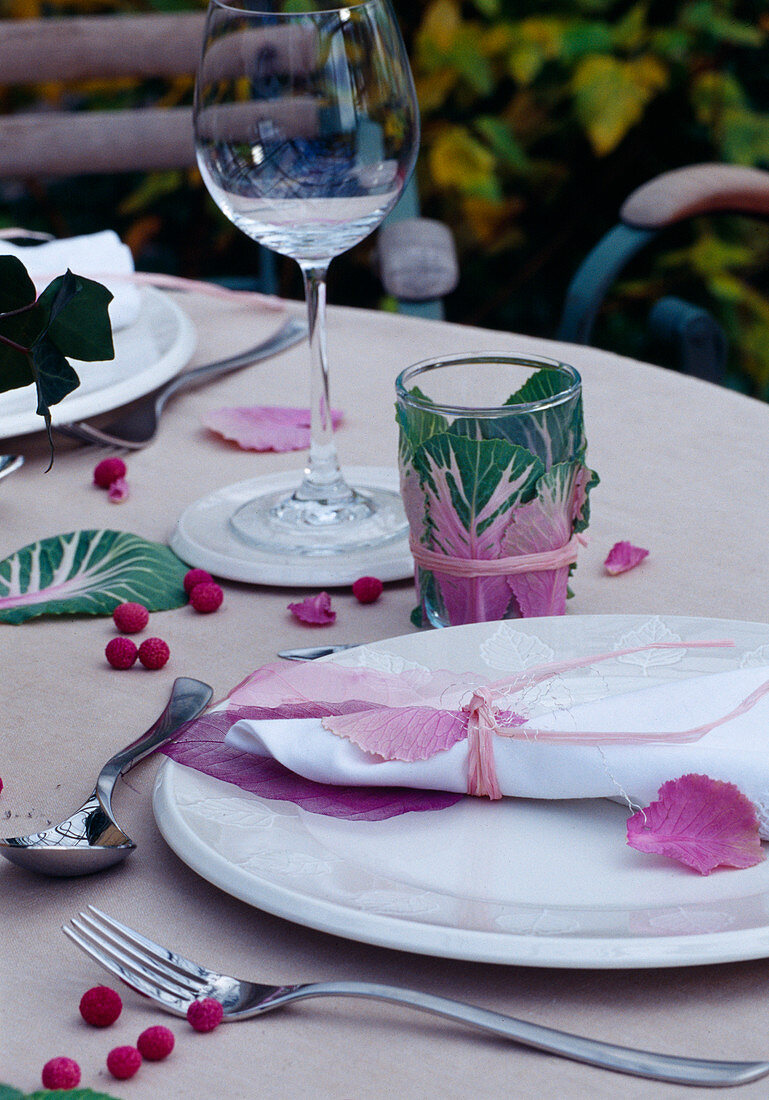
{"x":323,"y":479}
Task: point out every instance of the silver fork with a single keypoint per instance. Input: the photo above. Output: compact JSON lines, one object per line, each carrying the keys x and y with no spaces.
{"x":175,"y":982}
{"x":138,"y":426}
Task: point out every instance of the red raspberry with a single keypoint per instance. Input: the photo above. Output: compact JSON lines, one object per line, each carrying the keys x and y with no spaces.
{"x":367,"y":589}
{"x":107,"y":471}
{"x":121,"y":652}
{"x":155,"y":1043}
{"x":154,"y":652}
{"x":61,"y":1073}
{"x":100,"y":1006}
{"x":123,"y":1062}
{"x":130,"y":618}
{"x":206,"y":597}
{"x":206,"y":1014}
{"x":195,"y":576}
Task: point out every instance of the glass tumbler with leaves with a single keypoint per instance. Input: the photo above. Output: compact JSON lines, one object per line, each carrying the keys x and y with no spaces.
{"x":307,"y":130}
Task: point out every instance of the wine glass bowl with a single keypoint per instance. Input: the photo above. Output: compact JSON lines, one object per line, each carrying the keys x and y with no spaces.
{"x":307,"y":130}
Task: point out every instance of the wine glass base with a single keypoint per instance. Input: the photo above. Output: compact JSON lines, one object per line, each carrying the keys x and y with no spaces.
{"x":277,"y":522}
{"x":205,"y":538}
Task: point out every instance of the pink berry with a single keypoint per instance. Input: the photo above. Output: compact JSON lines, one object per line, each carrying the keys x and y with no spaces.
{"x":123,"y":1062}
{"x":121,"y":652}
{"x":130,"y":618}
{"x":154,"y":652}
{"x":206,"y":597}
{"x":206,"y":1014}
{"x":100,"y":1006}
{"x":155,"y":1043}
{"x":367,"y":589}
{"x":195,"y":576}
{"x":107,"y":471}
{"x":61,"y":1073}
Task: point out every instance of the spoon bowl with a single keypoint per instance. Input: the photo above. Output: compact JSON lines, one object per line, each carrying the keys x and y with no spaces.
{"x":90,"y":839}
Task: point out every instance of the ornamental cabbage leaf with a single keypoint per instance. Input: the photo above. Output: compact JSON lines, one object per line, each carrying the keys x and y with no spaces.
{"x":89,"y":572}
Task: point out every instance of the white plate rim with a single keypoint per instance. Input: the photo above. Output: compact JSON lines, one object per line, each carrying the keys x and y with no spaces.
{"x":137,"y":382}
{"x":506,"y":947}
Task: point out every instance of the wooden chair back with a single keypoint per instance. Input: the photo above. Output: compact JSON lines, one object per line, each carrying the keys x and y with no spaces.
{"x":76,"y":49}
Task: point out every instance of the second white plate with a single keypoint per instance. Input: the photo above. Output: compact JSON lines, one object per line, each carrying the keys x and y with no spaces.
{"x":519,"y":882}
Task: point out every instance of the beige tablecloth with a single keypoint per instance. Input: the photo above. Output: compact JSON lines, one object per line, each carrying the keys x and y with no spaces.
{"x":683,"y":468}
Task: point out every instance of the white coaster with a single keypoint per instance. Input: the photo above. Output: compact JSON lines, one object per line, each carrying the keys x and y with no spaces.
{"x":205,"y":539}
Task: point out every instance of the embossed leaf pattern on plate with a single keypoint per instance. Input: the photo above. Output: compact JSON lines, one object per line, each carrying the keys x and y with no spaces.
{"x":510,"y":650}
{"x":654,"y":630}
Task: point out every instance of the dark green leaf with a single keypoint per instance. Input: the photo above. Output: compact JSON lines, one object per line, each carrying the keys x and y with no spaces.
{"x":16,"y":288}
{"x":54,"y":377}
{"x":15,"y":369}
{"x":417,"y":424}
{"x":79,"y":317}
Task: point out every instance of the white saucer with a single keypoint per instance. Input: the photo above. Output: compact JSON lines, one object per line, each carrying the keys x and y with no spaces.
{"x":205,"y":539}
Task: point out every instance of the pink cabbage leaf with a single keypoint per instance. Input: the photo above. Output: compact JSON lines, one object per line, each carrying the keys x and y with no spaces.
{"x":401,"y":733}
{"x":624,"y":556}
{"x":544,"y":523}
{"x":200,"y":745}
{"x":469,"y":487}
{"x":265,"y":427}
{"x":702,"y":822}
{"x":315,"y":610}
{"x":288,"y":682}
{"x":118,"y":491}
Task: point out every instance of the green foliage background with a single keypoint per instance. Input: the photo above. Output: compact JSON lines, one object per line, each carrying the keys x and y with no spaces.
{"x":539,"y":118}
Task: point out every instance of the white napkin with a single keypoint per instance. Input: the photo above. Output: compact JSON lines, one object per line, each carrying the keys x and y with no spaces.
{"x":736,"y":752}
{"x":99,"y":256}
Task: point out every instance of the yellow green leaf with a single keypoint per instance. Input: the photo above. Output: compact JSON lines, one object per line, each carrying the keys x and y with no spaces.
{"x":460,"y":162}
{"x":440,"y":24}
{"x":610,"y":95}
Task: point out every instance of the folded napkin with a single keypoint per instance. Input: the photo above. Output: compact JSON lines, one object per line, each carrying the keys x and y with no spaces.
{"x":99,"y":256}
{"x":418,"y":732}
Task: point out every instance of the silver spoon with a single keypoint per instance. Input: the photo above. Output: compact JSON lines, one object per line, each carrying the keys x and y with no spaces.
{"x":90,"y":839}
{"x":9,"y":463}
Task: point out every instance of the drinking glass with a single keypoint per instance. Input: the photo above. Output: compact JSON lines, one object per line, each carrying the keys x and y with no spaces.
{"x":307,"y":130}
{"x":492,"y":457}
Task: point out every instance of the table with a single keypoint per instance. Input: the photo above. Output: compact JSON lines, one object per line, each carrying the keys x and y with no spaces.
{"x":683,"y":468}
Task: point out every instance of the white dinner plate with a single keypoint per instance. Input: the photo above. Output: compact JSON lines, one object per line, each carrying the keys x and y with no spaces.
{"x":522,"y":882}
{"x":148,"y":352}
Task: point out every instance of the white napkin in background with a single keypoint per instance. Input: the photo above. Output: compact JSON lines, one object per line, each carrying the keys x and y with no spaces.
{"x":96,"y":256}
{"x":736,"y":752}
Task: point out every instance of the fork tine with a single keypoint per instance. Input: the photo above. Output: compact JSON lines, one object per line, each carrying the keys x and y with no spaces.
{"x":186,"y":967}
{"x":165,"y":978}
{"x":134,"y":980}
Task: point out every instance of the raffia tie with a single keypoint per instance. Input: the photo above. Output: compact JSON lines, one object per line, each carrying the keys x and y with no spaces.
{"x":496,"y":567}
{"x":481,"y":727}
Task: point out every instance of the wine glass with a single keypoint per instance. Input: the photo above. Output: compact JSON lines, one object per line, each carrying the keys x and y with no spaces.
{"x":307,"y":130}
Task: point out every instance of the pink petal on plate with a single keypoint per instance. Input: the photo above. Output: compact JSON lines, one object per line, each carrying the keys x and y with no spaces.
{"x":624,"y":556}
{"x":401,"y":733}
{"x":701,"y":822}
{"x":118,"y":490}
{"x":314,"y":609}
{"x":265,"y":427}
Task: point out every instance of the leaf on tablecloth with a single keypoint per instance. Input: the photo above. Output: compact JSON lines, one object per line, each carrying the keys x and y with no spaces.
{"x":89,"y":572}
{"x":315,"y":610}
{"x":702,"y":822}
{"x":265,"y":427}
{"x":624,"y":556}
